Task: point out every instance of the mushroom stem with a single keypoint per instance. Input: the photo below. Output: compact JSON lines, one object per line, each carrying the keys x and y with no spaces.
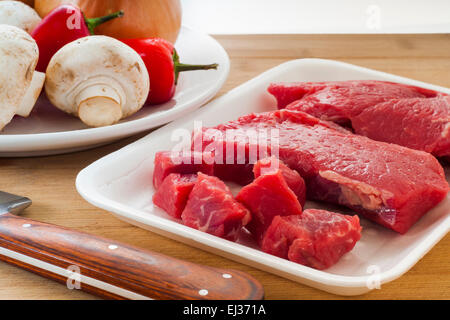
{"x":32,"y":94}
{"x":99,"y":105}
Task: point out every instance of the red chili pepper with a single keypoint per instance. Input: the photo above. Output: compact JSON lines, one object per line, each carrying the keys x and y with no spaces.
{"x":163,"y":65}
{"x":63,"y":25}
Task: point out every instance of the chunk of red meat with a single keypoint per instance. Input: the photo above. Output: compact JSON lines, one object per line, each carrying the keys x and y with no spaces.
{"x":292,"y":177}
{"x":167,"y":162}
{"x":286,"y":93}
{"x":266,"y":197}
{"x":421,"y":124}
{"x":409,"y":116}
{"x":212,"y":208}
{"x":334,"y":97}
{"x":389,"y":184}
{"x":317,"y":238}
{"x":173,"y":193}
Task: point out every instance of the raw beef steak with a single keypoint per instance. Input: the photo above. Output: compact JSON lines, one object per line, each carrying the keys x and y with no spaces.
{"x":173,"y":193}
{"x":387,"y":183}
{"x":422,"y":124}
{"x":212,"y":208}
{"x":409,"y":116}
{"x":334,"y":100}
{"x":316,"y":239}
{"x":167,"y":162}
{"x":292,"y":177}
{"x":266,"y":197}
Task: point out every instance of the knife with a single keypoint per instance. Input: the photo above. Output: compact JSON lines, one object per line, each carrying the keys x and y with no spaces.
{"x":107,"y":268}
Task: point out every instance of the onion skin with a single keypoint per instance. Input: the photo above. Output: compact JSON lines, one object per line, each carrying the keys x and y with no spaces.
{"x":142,"y":19}
{"x":28,"y":2}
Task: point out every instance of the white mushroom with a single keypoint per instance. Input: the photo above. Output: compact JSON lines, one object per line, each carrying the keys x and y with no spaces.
{"x":18,"y":14}
{"x":99,"y":79}
{"x":20,"y":84}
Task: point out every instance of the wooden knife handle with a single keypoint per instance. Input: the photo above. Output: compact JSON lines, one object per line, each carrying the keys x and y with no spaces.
{"x":115,"y":270}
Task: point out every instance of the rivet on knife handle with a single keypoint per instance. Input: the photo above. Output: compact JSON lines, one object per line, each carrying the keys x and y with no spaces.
{"x":115,"y":270}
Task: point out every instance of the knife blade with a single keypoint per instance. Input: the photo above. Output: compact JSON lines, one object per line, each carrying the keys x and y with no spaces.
{"x":12,"y":203}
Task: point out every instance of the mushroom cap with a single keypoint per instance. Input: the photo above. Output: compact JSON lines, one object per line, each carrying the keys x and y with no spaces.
{"x":19,"y":55}
{"x":18,"y":14}
{"x":93,"y":62}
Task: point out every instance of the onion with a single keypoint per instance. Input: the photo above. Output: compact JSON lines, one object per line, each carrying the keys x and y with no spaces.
{"x":142,"y":19}
{"x":28,"y":2}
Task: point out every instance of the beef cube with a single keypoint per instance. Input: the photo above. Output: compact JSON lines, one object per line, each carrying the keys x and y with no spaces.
{"x":292,"y":177}
{"x":266,"y":197}
{"x":173,"y":193}
{"x":167,"y":162}
{"x":212,"y":208}
{"x":316,"y":239}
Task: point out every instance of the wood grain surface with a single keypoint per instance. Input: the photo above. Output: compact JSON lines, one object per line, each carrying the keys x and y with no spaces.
{"x":50,"y":181}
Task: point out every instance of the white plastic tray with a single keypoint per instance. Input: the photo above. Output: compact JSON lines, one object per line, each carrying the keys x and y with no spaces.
{"x":50,"y":131}
{"x":121,"y":183}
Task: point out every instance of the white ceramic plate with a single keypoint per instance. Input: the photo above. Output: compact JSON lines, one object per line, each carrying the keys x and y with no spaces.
{"x":50,"y":131}
{"x":121,"y":183}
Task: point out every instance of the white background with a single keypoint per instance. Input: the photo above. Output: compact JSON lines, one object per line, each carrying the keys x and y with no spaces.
{"x":317,"y":16}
